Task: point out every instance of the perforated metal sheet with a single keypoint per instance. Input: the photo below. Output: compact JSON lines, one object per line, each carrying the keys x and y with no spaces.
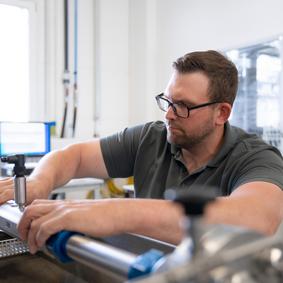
{"x":12,"y":247}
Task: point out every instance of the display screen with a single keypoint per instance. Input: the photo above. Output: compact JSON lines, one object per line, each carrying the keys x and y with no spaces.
{"x":29,"y":138}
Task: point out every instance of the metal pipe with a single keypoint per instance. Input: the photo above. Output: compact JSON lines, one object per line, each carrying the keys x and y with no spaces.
{"x":80,"y":248}
{"x":67,"y":246}
{"x":94,"y":253}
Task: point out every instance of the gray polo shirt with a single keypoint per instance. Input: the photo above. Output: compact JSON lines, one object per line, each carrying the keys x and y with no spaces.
{"x":143,"y":152}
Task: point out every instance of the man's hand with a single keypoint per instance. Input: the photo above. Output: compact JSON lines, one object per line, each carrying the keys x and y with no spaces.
{"x":100,"y":218}
{"x":34,"y":190}
{"x":6,"y":190}
{"x":44,"y":218}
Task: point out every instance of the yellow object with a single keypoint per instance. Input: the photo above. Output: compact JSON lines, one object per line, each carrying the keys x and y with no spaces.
{"x":113,"y":188}
{"x":131,"y":180}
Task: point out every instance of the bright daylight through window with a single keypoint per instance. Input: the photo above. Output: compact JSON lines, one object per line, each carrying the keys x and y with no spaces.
{"x":14,"y":67}
{"x":259,"y":101}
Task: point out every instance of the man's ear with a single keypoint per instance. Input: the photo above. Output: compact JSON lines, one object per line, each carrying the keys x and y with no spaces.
{"x":223,"y":112}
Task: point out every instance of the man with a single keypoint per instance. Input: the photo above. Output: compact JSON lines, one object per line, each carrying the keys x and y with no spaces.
{"x":195,"y":147}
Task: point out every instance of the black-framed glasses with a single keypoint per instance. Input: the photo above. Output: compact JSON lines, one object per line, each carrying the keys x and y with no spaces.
{"x":180,"y":109}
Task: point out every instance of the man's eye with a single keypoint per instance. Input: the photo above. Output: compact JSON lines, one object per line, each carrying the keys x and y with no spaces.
{"x":181,"y":104}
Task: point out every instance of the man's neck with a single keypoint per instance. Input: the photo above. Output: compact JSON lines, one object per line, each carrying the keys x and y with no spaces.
{"x":199,"y":155}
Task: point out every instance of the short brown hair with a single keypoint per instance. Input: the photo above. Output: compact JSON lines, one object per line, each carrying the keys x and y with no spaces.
{"x":222,"y":73}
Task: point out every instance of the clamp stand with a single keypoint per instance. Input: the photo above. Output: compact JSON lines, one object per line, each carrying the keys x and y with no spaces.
{"x":19,"y":178}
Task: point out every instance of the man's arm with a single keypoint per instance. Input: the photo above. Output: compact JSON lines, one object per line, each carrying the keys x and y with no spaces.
{"x":57,"y":168}
{"x":158,"y":219}
{"x":255,"y":205}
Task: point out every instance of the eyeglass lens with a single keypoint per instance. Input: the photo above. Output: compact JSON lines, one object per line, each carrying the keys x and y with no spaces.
{"x":179,"y":109}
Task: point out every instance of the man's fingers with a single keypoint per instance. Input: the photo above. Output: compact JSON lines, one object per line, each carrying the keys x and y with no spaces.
{"x":31,"y":213}
{"x":47,"y":201}
{"x":6,"y":194}
{"x":42,"y":228}
{"x":48,"y":228}
{"x":6,"y":180}
{"x":6,"y":189}
{"x":44,"y":218}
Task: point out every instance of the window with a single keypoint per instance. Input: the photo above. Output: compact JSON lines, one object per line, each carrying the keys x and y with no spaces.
{"x":260,"y":94}
{"x":14,"y":67}
{"x":21,"y":79}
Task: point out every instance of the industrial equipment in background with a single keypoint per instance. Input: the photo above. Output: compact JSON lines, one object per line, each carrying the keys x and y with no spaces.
{"x":70,"y":62}
{"x":260,"y":90}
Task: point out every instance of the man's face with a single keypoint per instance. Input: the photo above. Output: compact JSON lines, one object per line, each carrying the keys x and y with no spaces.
{"x":190,"y":89}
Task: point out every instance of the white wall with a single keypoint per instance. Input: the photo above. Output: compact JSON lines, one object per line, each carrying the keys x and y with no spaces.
{"x":142,"y":61}
{"x":112,"y":71}
{"x":187,"y":25}
{"x":127,"y":48}
{"x":163,"y":30}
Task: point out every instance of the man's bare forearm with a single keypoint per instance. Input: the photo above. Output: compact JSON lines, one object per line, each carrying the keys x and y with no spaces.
{"x":158,"y":219}
{"x":55,"y":169}
{"x":255,"y":205}
{"x":75,"y":161}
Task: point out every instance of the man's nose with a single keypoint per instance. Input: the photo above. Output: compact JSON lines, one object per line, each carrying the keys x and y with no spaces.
{"x":170,"y":114}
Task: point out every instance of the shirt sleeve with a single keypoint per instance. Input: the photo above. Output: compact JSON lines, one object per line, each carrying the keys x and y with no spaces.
{"x":119,"y":151}
{"x":266,"y":166}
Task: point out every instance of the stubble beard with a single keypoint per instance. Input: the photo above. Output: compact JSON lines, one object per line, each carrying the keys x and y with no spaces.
{"x":190,"y":140}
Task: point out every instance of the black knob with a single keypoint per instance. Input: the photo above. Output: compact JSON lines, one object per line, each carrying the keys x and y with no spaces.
{"x":19,"y":161}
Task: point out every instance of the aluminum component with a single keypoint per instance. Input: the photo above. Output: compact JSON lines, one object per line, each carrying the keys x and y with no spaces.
{"x":9,"y":218}
{"x":20,"y":192}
